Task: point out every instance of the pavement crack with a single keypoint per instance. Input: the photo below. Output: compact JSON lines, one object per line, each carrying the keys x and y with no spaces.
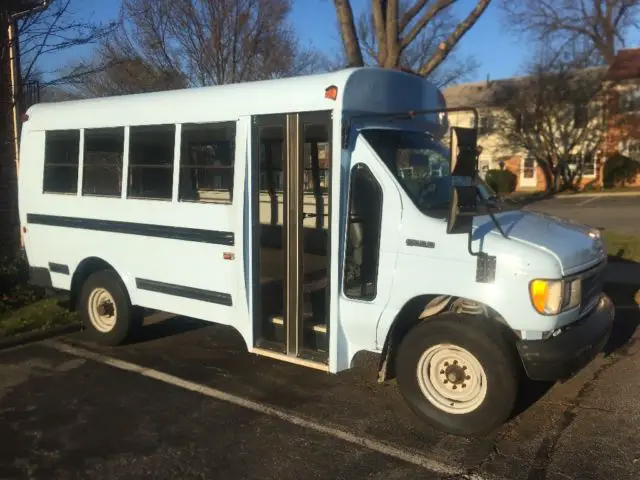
{"x":545,"y":452}
{"x":580,"y":407}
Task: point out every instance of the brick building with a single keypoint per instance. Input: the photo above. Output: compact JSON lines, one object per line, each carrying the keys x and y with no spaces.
{"x":622,"y":134}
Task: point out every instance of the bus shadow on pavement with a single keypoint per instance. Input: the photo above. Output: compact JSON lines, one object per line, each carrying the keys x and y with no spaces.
{"x":624,"y":327}
{"x":161,"y":325}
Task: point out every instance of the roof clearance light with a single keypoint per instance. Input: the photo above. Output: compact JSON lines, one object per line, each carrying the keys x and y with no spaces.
{"x":331,"y":92}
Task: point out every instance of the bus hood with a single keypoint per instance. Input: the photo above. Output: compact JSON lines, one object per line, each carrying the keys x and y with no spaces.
{"x":575,"y":246}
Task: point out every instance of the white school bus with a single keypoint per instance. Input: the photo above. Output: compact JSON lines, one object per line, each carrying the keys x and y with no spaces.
{"x":319,"y":216}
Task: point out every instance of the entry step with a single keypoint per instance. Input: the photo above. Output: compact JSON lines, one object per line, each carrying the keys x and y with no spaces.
{"x":318,"y":327}
{"x":315,"y":334}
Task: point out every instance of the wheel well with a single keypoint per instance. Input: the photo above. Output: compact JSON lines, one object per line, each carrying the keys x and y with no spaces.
{"x":420,"y":309}
{"x":87,"y":267}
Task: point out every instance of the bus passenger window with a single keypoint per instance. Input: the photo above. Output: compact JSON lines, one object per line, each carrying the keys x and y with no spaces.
{"x":363,"y":235}
{"x":61,"y":155}
{"x":207,"y":153}
{"x":151,"y":152}
{"x":102,"y":168}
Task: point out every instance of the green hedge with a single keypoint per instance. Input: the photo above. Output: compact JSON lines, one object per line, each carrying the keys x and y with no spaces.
{"x":14,"y":289}
{"x":619,"y":170}
{"x":501,"y":181}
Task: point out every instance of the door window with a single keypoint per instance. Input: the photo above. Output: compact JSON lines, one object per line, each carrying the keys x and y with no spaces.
{"x":363,"y":235}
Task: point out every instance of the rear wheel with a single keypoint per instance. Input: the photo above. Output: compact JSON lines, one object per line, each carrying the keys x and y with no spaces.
{"x":458,"y":373}
{"x":106,"y":310}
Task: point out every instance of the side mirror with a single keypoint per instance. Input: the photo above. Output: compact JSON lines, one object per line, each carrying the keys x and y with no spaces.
{"x":463,"y":167}
{"x":464,"y":152}
{"x":463,"y":207}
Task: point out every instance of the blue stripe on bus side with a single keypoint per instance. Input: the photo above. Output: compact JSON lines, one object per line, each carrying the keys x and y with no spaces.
{"x":143,"y":229}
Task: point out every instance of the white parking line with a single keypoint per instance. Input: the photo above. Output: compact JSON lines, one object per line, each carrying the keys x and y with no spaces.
{"x":415,"y":458}
{"x":588,"y":200}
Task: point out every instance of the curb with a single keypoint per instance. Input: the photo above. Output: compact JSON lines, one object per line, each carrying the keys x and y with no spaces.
{"x":595,"y":194}
{"x":30,"y":337}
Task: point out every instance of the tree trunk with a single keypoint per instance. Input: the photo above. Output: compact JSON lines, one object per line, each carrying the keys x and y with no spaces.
{"x":348,"y":32}
{"x":547,"y":171}
{"x":392,"y":35}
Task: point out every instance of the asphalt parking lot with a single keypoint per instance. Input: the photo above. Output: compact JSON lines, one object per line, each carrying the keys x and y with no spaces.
{"x":619,"y":213}
{"x":186,"y":401}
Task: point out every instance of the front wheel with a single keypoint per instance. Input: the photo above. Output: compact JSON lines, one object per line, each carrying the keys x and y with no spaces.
{"x":458,"y":373}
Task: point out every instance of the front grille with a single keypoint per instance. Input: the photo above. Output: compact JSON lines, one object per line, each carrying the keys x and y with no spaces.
{"x":592,"y":284}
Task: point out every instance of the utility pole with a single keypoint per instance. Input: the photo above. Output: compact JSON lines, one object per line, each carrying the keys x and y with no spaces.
{"x":10,"y":117}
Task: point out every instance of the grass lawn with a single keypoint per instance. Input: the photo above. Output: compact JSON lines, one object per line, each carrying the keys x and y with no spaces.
{"x":40,"y":315}
{"x":24,"y":308}
{"x":621,"y":246}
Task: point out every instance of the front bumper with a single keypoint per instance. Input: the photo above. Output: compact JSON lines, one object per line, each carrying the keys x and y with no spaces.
{"x":559,"y":357}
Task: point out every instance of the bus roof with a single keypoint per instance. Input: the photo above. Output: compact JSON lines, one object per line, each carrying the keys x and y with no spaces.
{"x":360,"y":90}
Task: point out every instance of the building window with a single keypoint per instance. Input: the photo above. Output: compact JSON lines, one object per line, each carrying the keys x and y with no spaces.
{"x":207,"y":155}
{"x":524,"y":122}
{"x":485,"y":125}
{"x":102,"y":167}
{"x":587,"y":163}
{"x":61,"y":157}
{"x":151,"y":152}
{"x":634,"y":151}
{"x":629,"y":101}
{"x":529,"y":167}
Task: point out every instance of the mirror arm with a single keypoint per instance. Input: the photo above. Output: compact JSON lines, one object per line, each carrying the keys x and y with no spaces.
{"x":496,"y":223}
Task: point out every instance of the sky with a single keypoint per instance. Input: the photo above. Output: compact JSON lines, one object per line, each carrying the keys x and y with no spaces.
{"x":499,"y":53}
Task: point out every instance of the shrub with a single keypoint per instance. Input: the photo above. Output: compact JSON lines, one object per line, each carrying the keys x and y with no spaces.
{"x":501,"y":181}
{"x":619,"y":170}
{"x":14,"y":289}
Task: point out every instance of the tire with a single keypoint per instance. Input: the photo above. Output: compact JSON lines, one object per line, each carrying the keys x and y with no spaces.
{"x":447,"y":348}
{"x":119,"y":321}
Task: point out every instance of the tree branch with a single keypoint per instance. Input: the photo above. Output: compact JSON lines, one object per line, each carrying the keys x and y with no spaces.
{"x":454,"y":38}
{"x":424,"y":20}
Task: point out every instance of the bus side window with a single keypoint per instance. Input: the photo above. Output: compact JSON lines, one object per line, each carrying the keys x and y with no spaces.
{"x":363,"y":235}
{"x":61,"y":158}
{"x":102,"y":169}
{"x":207,"y":153}
{"x":151,"y":152}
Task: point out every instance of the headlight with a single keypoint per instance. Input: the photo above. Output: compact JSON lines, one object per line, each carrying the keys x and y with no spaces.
{"x":550,"y":297}
{"x":573,"y":294}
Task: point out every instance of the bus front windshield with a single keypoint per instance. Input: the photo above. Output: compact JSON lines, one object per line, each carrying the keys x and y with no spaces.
{"x":420,"y":164}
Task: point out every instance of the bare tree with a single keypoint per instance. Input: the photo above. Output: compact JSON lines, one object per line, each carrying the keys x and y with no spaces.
{"x":166,"y":44}
{"x":122,"y":76}
{"x":49,"y":32}
{"x":425,"y":45}
{"x":593,"y":28}
{"x":414,"y":34}
{"x":556,"y":114}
